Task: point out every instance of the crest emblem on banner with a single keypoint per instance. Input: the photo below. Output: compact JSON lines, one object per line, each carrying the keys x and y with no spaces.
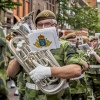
{"x":42,"y":42}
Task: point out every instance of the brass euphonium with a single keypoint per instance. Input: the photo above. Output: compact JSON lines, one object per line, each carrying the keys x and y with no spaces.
{"x":20,"y":48}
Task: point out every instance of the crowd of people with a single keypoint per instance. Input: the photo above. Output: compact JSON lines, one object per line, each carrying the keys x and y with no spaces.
{"x":80,"y":68}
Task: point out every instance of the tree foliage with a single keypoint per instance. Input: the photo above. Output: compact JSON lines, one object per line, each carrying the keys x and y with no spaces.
{"x":8,"y":4}
{"x":77,"y":16}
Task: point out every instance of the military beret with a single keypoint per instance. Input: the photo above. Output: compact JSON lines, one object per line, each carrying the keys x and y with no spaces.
{"x":66,"y":32}
{"x":45,"y":14}
{"x":70,"y":35}
{"x":85,"y":39}
{"x":93,"y":38}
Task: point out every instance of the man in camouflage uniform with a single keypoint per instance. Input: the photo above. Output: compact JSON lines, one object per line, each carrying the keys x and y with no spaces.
{"x":77,"y":85}
{"x":3,"y":87}
{"x":67,"y":57}
{"x":93,"y":74}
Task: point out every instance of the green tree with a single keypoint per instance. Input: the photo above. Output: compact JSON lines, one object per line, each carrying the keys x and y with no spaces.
{"x":79,"y":16}
{"x":8,"y":4}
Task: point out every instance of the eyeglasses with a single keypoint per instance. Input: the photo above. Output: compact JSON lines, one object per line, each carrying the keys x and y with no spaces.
{"x":44,"y":25}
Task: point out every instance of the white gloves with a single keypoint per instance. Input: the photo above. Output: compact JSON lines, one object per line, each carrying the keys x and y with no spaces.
{"x":40,"y":72}
{"x":92,"y":52}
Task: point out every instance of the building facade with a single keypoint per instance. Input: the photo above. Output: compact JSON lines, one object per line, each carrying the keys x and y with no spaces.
{"x":6,"y":20}
{"x":11,"y":17}
{"x":33,"y":5}
{"x":21,"y":11}
{"x":39,"y":5}
{"x":92,"y":3}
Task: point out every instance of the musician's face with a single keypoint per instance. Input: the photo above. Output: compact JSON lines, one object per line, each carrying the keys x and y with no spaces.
{"x":74,"y":41}
{"x":45,"y":24}
{"x":94,"y":43}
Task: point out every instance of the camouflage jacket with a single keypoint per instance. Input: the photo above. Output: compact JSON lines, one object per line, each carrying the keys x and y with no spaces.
{"x":3,"y":86}
{"x":92,"y":61}
{"x":79,"y":85}
{"x":67,"y":54}
{"x":2,"y":48}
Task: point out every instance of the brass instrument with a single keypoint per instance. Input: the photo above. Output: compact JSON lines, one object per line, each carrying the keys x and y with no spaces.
{"x":19,"y":46}
{"x":9,"y":36}
{"x":89,"y":51}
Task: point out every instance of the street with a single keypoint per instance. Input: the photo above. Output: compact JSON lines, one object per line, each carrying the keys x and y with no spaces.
{"x":11,"y":92}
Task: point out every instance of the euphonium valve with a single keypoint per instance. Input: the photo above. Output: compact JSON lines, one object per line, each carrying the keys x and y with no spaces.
{"x":9,"y":36}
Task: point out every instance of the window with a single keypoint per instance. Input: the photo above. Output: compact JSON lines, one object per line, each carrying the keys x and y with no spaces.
{"x":9,"y":20}
{"x":51,"y":5}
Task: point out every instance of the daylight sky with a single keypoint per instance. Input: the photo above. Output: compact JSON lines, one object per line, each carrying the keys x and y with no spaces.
{"x":98,"y":0}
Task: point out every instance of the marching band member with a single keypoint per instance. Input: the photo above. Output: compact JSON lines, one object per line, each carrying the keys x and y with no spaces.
{"x":93,"y":74}
{"x":71,"y":65}
{"x":77,"y":85}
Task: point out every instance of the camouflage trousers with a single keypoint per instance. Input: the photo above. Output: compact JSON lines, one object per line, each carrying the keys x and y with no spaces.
{"x":38,"y":95}
{"x":93,"y":85}
{"x":78,"y":89}
{"x":81,"y":96}
{"x":21,"y":90}
{"x":3,"y":86}
{"x":21,"y":85}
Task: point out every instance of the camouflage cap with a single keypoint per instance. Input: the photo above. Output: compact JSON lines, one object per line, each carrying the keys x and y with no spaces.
{"x":93,"y":38}
{"x":45,"y":14}
{"x":85,"y":39}
{"x":70,"y":35}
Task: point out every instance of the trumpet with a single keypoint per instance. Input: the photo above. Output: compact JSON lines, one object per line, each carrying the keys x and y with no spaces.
{"x":20,"y":48}
{"x":89,"y":51}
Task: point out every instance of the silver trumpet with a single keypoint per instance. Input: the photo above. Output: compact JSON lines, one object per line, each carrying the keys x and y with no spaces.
{"x":20,"y":48}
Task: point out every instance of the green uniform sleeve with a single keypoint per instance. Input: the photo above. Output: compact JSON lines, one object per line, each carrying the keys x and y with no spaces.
{"x":2,"y":41}
{"x":2,"y":38}
{"x":2,"y":47}
{"x":71,"y":56}
{"x":67,"y":54}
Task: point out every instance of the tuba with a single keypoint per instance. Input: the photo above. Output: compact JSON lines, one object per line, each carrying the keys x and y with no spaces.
{"x":20,"y":48}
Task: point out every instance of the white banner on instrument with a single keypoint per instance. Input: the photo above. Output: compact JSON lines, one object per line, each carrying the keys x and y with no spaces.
{"x":43,"y":39}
